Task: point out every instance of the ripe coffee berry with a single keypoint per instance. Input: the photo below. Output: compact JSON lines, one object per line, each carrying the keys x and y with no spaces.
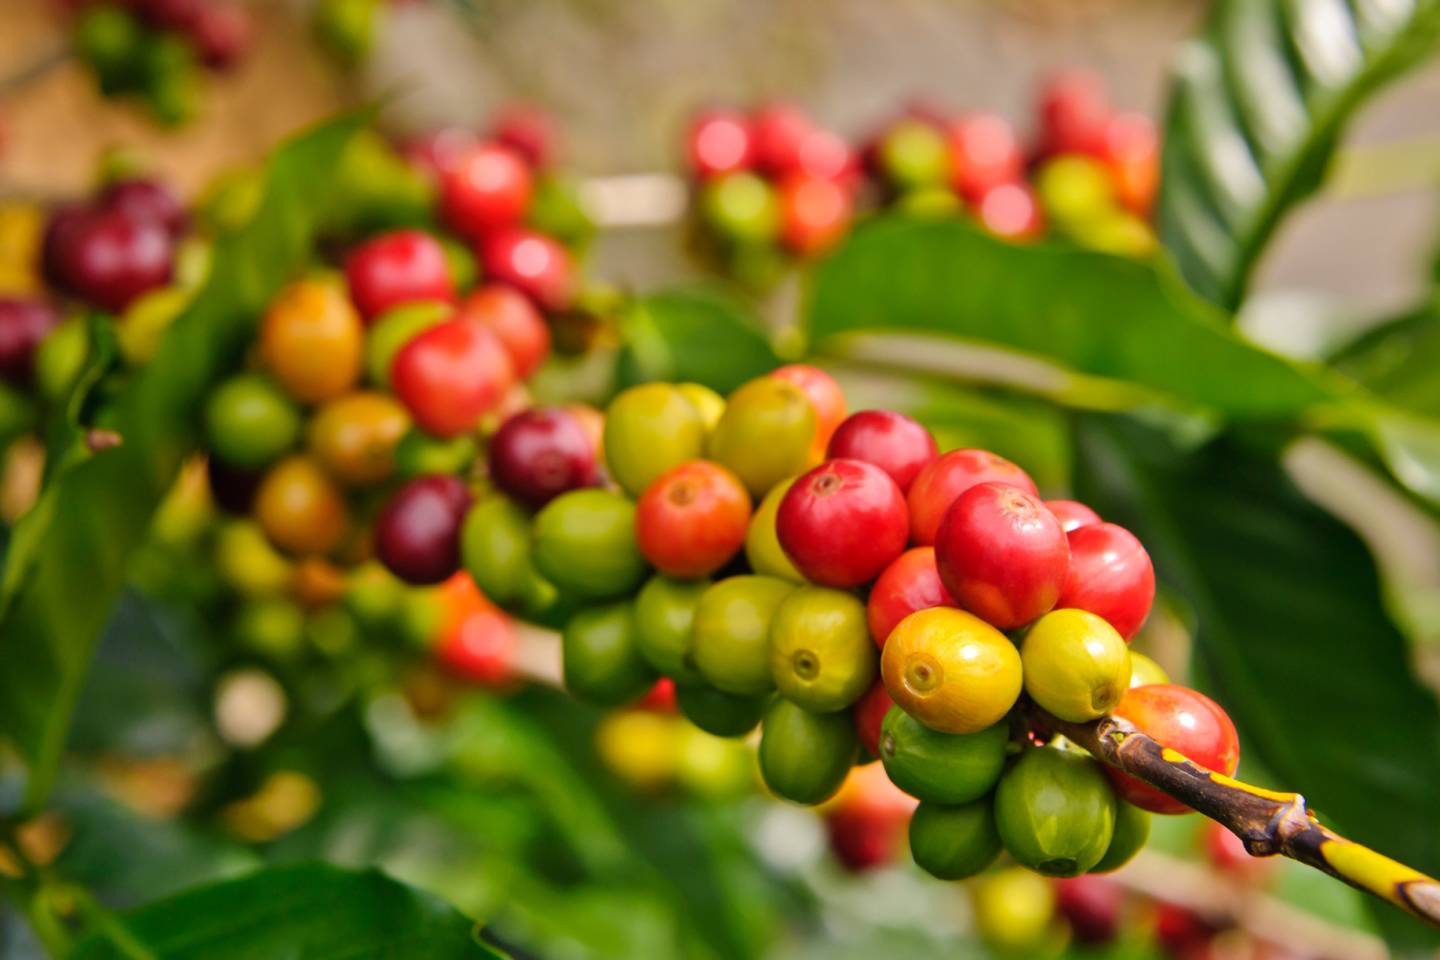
{"x":984,"y":153}
{"x":532,"y":263}
{"x":824,"y":395}
{"x":300,"y":508}
{"x":487,"y":187}
{"x":312,"y":341}
{"x":397,"y":268}
{"x":450,"y":376}
{"x":480,"y":647}
{"x":842,"y":523}
{"x":941,"y":481}
{"x":950,"y":670}
{"x":692,"y":520}
{"x":870,"y":716}
{"x":540,"y":453}
{"x":719,"y":142}
{"x":1002,"y":555}
{"x":109,"y":259}
{"x":1110,"y":575}
{"x":417,"y":534}
{"x":815,"y":212}
{"x":910,"y":583}
{"x":891,"y":441}
{"x":511,"y":316}
{"x":1187,"y":722}
{"x":143,"y":199}
{"x":1072,"y":514}
{"x":778,"y":131}
{"x":23,"y":324}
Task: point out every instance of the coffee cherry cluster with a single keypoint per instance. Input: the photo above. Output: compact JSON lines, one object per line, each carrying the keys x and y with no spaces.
{"x":156,"y":50}
{"x":854,"y":592}
{"x":771,"y":186}
{"x":1090,"y":175}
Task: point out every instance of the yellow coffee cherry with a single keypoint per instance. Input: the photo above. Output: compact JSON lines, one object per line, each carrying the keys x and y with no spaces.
{"x":640,"y":747}
{"x":950,"y":670}
{"x":1144,"y":671}
{"x":1076,"y":665}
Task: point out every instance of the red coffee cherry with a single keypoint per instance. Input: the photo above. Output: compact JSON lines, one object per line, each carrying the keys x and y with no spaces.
{"x":1073,"y":112}
{"x":891,"y":441}
{"x":870,"y":715}
{"x":944,"y":479}
{"x":538,"y":454}
{"x":984,"y":153}
{"x":397,"y":268}
{"x":108,"y":259}
{"x":815,"y":213}
{"x":1010,"y":211}
{"x":451,"y":375}
{"x":824,"y":155}
{"x":527,"y":130}
{"x":144,"y":199}
{"x":23,"y":324}
{"x":1092,"y":906}
{"x":778,"y":132}
{"x":222,"y":34}
{"x":692,"y":519}
{"x":1184,"y":720}
{"x":911,"y":583}
{"x":510,"y":315}
{"x":1110,"y":575}
{"x":1002,"y":555}
{"x":868,"y":818}
{"x":842,"y":523}
{"x":438,"y":151}
{"x":480,"y":647}
{"x":824,"y":395}
{"x":660,"y":698}
{"x":532,"y":263}
{"x":719,"y":142}
{"x":488,"y":187}
{"x":1131,"y":152}
{"x":417,"y":533}
{"x":1072,"y":514}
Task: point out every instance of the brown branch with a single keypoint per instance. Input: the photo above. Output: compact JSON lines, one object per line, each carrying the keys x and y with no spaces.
{"x":1267,"y":821}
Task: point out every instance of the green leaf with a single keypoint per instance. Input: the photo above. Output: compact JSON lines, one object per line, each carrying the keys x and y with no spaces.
{"x":1256,"y":110}
{"x":73,"y":566}
{"x":1111,"y":334}
{"x":1098,"y":315}
{"x":1291,"y":628}
{"x":698,"y":335}
{"x":308,"y":912}
{"x":1398,"y":360}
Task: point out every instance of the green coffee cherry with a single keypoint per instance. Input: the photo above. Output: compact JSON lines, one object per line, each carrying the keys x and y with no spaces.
{"x":805,"y":756}
{"x":495,"y":550}
{"x":602,"y":665}
{"x":664,"y":614}
{"x":942,"y":768}
{"x":648,"y":430}
{"x":60,"y":357}
{"x":914,"y":155}
{"x":248,"y":563}
{"x":1055,"y":811}
{"x":585,"y":544}
{"x":741,"y":208}
{"x":250,"y":422}
{"x":719,"y":713}
{"x":272,"y":626}
{"x":730,"y":639}
{"x":393,"y":329}
{"x":1132,"y":830}
{"x":418,"y":453}
{"x":821,"y":654}
{"x":954,"y":842}
{"x":762,"y":545}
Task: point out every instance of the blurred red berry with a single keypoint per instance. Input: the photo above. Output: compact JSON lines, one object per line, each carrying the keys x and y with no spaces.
{"x":487,"y":188}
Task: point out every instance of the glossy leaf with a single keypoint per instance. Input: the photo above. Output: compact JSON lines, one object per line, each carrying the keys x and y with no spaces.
{"x":693,"y":335}
{"x":1291,"y":628}
{"x":73,"y":565}
{"x":309,"y":912}
{"x":1110,"y":333}
{"x":1258,"y":105}
{"x":1398,"y":361}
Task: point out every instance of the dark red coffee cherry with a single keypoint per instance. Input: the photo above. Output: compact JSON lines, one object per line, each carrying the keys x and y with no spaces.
{"x":145,"y":199}
{"x":417,"y":534}
{"x":396,"y":268}
{"x":108,"y":259}
{"x":23,"y":324}
{"x":538,"y":454}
